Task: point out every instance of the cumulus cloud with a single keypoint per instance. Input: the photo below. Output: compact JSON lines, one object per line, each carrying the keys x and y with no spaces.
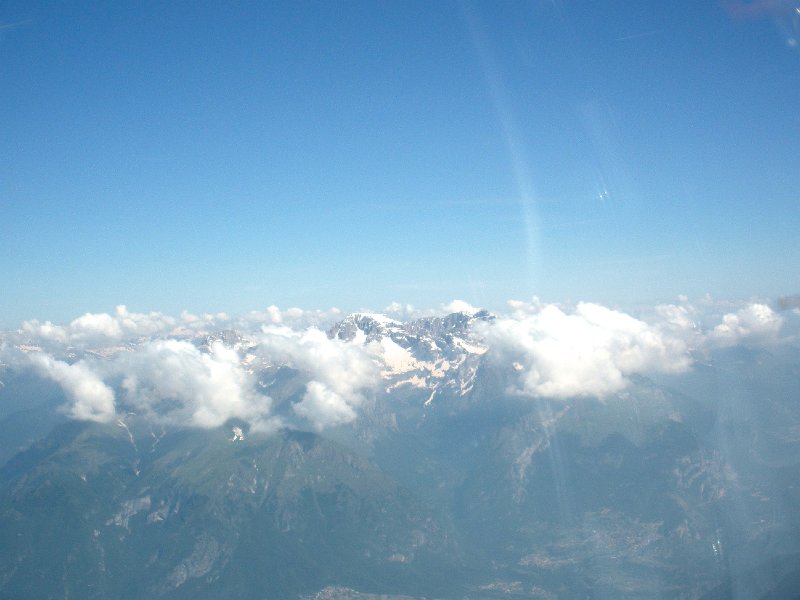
{"x":755,"y":322}
{"x":46,"y":331}
{"x":460,"y":306}
{"x":172,"y":381}
{"x":296,"y":318}
{"x":401,"y":311}
{"x":676,"y":318}
{"x":323,"y":407}
{"x":90,"y":399}
{"x":590,"y":351}
{"x":339,"y":371}
{"x":678,"y":321}
{"x":101,"y":327}
{"x":164,"y":381}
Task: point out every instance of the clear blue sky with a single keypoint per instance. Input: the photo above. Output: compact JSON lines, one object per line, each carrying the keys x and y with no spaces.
{"x":221,"y":156}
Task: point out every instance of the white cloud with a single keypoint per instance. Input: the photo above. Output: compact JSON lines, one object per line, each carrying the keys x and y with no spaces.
{"x":756,"y":322}
{"x":99,"y":328}
{"x":401,"y":311}
{"x":324,"y":407}
{"x":459,"y":306}
{"x":94,"y":326}
{"x":589,"y":352}
{"x":678,"y":321}
{"x":90,"y":398}
{"x":174,"y":382}
{"x":296,"y":318}
{"x":520,"y":309}
{"x":676,"y":317}
{"x":339,"y":371}
{"x":47,"y":331}
{"x":164,"y":381}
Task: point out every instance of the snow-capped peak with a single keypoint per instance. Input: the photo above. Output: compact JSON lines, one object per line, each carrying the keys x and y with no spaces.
{"x":373,"y":325}
{"x":378,"y":317}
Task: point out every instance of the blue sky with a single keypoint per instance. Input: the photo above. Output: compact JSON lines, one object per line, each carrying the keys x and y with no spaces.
{"x":227,"y":157}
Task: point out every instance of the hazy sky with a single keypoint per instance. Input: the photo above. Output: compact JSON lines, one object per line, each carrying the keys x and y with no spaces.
{"x":219,"y":156}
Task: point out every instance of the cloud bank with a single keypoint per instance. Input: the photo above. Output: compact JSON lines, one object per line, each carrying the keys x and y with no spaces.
{"x":165,"y":381}
{"x":172,"y":381}
{"x":99,"y":328}
{"x":340,"y":372}
{"x":170,"y":371}
{"x":590,"y":351}
{"x":89,"y":398}
{"x":754,"y":323}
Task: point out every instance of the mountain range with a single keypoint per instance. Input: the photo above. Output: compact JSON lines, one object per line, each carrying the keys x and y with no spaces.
{"x":449,"y":482}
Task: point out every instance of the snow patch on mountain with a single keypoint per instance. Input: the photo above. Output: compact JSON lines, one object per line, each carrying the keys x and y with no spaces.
{"x":396,"y":359}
